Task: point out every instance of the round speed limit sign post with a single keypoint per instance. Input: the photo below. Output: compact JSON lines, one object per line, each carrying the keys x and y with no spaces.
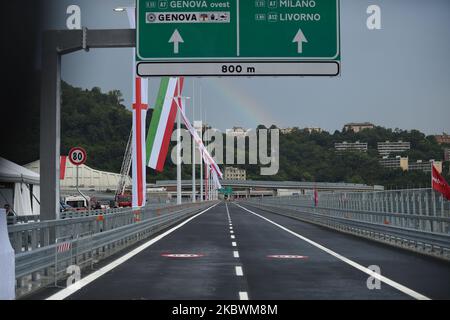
{"x":78,"y":156}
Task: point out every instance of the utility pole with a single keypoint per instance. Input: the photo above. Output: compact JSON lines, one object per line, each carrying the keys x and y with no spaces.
{"x":178,"y":149}
{"x":193,"y":148}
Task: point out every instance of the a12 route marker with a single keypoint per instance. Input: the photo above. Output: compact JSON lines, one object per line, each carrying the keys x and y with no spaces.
{"x":77,"y":156}
{"x":238,"y":38}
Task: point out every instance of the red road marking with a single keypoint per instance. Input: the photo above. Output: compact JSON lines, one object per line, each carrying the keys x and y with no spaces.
{"x":286,"y":256}
{"x":182,"y":255}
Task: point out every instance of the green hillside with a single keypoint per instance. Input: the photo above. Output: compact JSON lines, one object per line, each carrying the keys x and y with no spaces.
{"x":101,"y":123}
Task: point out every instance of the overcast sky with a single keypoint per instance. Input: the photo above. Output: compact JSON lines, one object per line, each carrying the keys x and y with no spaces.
{"x":395,"y":77}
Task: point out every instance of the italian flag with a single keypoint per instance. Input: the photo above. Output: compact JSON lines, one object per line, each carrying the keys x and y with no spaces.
{"x":163,"y":118}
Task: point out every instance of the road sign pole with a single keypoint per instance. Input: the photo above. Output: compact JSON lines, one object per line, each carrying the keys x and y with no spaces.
{"x":193,"y":149}
{"x":50,"y":128}
{"x":55,"y":44}
{"x":193,"y":170}
{"x":178,"y":157}
{"x":201,"y":163}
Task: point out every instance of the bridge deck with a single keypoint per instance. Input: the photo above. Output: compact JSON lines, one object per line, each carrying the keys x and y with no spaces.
{"x":225,"y":271}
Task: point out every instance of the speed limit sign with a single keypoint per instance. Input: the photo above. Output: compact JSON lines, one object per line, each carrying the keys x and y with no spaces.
{"x":77,"y":156}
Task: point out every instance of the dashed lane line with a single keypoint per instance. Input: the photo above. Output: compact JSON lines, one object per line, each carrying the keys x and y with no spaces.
{"x":243,"y":295}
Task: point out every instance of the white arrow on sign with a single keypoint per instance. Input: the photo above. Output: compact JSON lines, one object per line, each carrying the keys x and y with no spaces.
{"x":300,"y":39}
{"x":176,"y":39}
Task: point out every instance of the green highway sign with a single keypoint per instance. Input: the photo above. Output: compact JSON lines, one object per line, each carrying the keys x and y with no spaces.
{"x":238,"y":37}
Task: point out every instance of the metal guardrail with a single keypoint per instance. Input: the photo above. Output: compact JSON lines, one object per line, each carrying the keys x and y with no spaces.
{"x":85,"y":213}
{"x":422,"y":230}
{"x":37,"y":247}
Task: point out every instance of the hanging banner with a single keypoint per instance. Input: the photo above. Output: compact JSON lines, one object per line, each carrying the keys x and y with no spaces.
{"x":138,"y":150}
{"x":163,"y":119}
{"x":207,"y":158}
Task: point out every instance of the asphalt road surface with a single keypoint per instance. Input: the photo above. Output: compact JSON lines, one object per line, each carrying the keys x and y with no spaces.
{"x":232,"y":252}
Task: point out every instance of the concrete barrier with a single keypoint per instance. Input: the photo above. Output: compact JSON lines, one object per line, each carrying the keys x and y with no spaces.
{"x":7,"y":263}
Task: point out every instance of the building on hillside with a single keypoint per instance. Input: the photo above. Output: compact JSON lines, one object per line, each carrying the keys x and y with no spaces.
{"x":425,"y":166}
{"x":232,"y":173}
{"x":386,"y":148}
{"x":313,"y":130}
{"x":442,"y":138}
{"x":236,"y":132}
{"x":358,"y":126}
{"x":286,"y":130}
{"x":447,"y":154}
{"x":351,"y":146}
{"x":88,"y":178}
{"x":394,"y":163}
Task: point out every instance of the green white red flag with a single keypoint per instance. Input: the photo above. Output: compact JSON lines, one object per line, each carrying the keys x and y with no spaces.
{"x":163,"y":118}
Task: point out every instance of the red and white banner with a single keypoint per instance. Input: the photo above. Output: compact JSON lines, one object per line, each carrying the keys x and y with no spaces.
{"x":439,"y":184}
{"x":140,"y":106}
{"x":139,"y":154}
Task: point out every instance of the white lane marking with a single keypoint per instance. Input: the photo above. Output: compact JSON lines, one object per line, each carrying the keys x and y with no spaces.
{"x":97,"y":274}
{"x":233,"y":244}
{"x":231,"y":231}
{"x":228,"y":212}
{"x":232,"y":237}
{"x":388,"y":281}
{"x":239,"y":271}
{"x":236,"y":254}
{"x":243,"y":295}
{"x":231,"y":228}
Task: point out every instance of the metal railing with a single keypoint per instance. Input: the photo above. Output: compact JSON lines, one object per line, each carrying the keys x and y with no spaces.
{"x":37,"y":245}
{"x":416,"y":219}
{"x":18,"y":219}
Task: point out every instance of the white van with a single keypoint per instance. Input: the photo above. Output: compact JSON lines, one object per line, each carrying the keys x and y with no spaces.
{"x":77,"y":202}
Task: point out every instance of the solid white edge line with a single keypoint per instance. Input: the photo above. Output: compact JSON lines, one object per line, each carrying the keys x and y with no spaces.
{"x":239,"y":271}
{"x":236,"y":254}
{"x":356,"y":265}
{"x":97,"y":274}
{"x":243,"y":295}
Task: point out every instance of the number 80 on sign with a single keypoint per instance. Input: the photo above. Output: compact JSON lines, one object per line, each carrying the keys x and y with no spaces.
{"x":77,"y":156}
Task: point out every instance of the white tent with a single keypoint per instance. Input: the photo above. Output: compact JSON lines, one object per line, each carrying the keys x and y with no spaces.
{"x":20,"y":188}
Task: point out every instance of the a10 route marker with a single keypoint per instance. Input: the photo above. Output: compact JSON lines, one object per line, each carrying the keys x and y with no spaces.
{"x":238,"y":37}
{"x":77,"y":156}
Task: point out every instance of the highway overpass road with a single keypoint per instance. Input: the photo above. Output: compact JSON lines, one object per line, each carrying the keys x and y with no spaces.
{"x":247,"y":253}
